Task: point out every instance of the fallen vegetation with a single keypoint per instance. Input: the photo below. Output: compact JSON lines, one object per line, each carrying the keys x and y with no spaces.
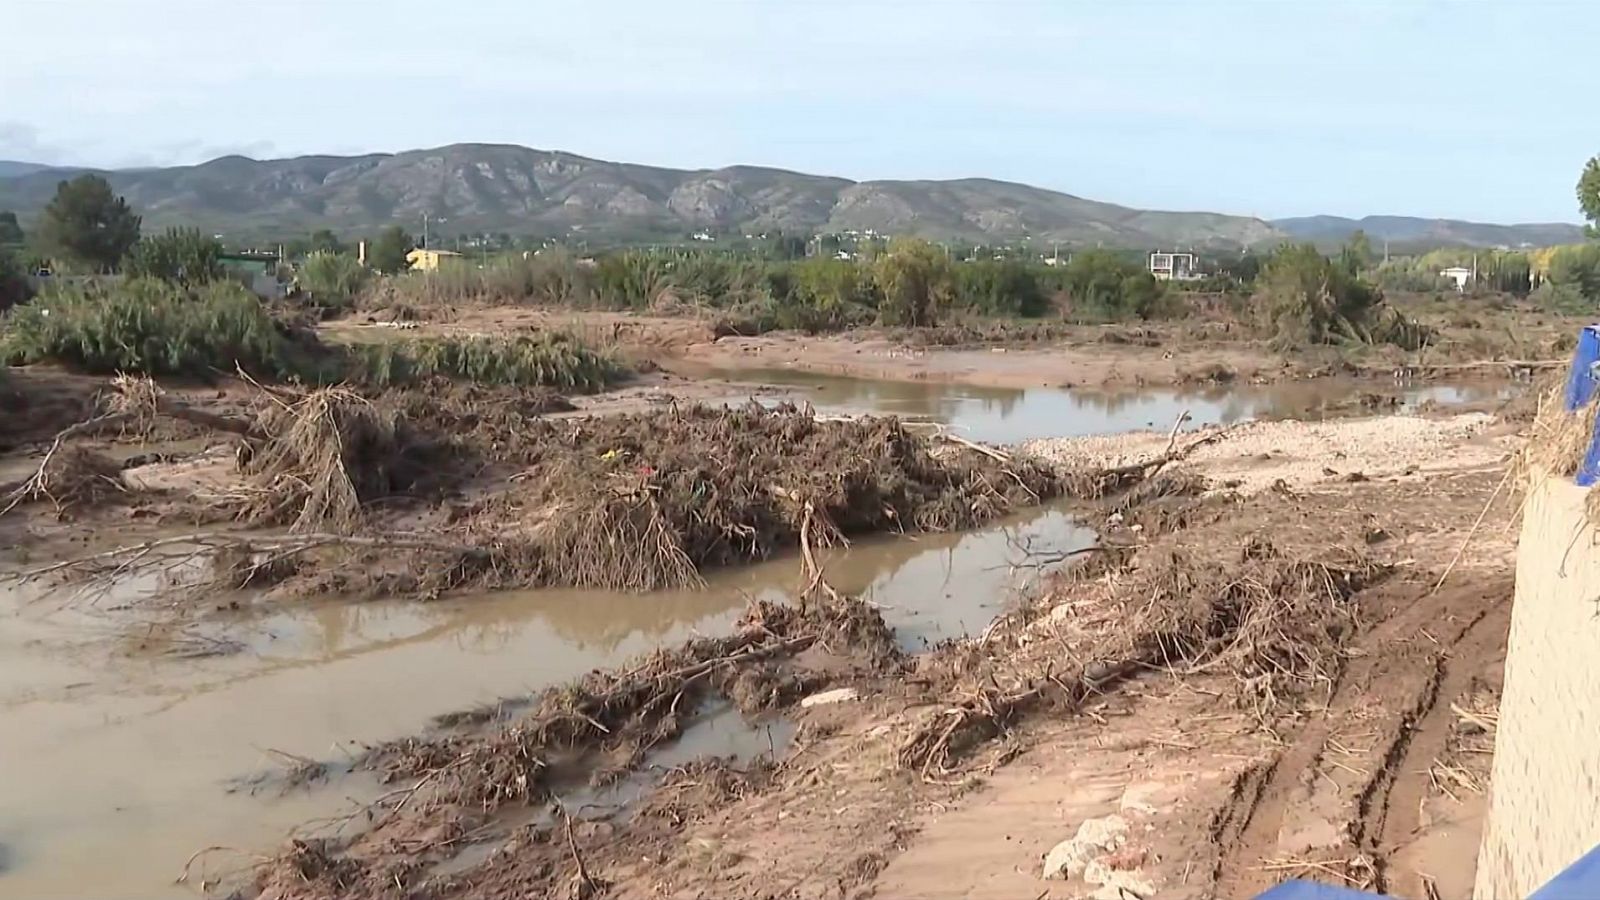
{"x":636,"y":502}
{"x":314,"y":464}
{"x":1275,"y":621}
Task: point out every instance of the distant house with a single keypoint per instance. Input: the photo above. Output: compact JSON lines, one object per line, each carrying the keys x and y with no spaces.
{"x":1174,"y":266}
{"x":257,"y":269}
{"x":429,"y":260}
{"x":1460,"y":275}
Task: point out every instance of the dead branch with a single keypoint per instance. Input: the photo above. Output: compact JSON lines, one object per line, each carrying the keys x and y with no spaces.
{"x":584,"y":885}
{"x":35,"y":487}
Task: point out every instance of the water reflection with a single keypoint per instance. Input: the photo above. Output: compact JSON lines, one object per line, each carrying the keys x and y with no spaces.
{"x":1012,"y":415}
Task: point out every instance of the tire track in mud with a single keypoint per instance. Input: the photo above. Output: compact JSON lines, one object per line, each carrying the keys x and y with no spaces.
{"x":1479,"y":647}
{"x":1389,"y":685}
{"x":1231,"y":823}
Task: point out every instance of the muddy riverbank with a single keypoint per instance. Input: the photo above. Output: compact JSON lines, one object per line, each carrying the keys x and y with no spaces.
{"x":200,"y":715}
{"x":1054,"y":755}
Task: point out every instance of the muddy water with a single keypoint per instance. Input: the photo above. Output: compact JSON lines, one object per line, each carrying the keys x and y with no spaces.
{"x":124,"y":746}
{"x":1011,"y":415}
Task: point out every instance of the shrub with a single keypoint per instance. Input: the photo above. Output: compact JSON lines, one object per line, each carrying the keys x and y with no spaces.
{"x":1304,"y":298}
{"x":1000,"y":287}
{"x":150,"y":327}
{"x":179,"y":255}
{"x":914,"y":283}
{"x":333,"y":280}
{"x":550,"y":277}
{"x":549,"y":360}
{"x":1576,"y":270}
{"x":14,"y":286}
{"x":1105,"y":286}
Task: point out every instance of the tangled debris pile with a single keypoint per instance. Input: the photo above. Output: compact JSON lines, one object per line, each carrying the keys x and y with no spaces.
{"x":646,"y":501}
{"x":315,"y":463}
{"x":1275,"y":621}
{"x":603,"y":725}
{"x":424,"y":496}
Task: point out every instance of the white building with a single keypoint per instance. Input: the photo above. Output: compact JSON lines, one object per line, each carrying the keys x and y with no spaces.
{"x":1460,"y":275}
{"x":1174,"y":266}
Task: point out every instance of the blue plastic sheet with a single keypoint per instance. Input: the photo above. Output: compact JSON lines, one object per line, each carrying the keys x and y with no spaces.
{"x":1311,"y":890}
{"x":1582,"y":380}
{"x":1580,"y":881}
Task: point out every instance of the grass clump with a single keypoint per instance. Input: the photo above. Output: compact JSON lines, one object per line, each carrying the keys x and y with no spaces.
{"x":548,"y":360}
{"x":150,"y":327}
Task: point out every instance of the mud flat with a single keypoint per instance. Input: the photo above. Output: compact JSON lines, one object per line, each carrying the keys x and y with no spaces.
{"x":1245,"y":682}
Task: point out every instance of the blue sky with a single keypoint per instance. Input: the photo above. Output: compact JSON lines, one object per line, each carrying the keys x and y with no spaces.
{"x":1478,"y":109}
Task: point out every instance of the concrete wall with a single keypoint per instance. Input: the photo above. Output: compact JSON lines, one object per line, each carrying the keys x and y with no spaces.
{"x":1544,"y":805}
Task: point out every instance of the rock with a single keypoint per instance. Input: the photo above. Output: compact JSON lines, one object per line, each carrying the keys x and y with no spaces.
{"x":1095,"y":837}
{"x":838,"y":695}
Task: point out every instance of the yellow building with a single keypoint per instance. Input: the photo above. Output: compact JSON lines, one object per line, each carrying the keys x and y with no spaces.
{"x":429,"y":260}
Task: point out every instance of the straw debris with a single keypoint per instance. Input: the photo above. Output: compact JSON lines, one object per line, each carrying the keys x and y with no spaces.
{"x":1275,"y":622}
{"x":321,"y":458}
{"x":647,"y":501}
{"x":621,"y":714}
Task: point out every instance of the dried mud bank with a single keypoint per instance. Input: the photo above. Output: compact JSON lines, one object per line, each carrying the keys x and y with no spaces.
{"x":1242,"y":684}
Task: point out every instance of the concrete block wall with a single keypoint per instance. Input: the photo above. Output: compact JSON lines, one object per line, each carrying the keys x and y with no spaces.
{"x":1544,"y":804}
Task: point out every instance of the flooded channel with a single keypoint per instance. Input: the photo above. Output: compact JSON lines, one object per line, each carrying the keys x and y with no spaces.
{"x":120,"y":765}
{"x":1011,"y":415}
{"x":121,"y":755}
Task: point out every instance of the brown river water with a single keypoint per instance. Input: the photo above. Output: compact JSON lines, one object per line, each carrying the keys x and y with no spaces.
{"x":125,"y":747}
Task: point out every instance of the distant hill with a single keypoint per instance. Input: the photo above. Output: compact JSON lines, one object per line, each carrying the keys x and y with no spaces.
{"x":479,"y":187}
{"x":10,"y":168}
{"x":1406,"y":232}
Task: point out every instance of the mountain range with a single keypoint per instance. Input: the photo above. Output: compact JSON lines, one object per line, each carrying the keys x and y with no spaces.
{"x":1405,"y":232}
{"x":472,"y":188}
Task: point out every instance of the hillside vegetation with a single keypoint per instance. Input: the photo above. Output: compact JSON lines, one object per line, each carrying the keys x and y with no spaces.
{"x":480,"y":187}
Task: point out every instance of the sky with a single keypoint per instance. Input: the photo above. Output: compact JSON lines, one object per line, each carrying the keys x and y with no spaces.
{"x":1474,"y":109}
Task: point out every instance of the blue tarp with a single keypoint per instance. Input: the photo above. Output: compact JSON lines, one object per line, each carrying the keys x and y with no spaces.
{"x":1310,"y":890}
{"x":1581,"y":383}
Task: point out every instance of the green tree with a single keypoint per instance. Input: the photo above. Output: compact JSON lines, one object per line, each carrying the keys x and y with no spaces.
{"x":10,"y":230}
{"x":1004,"y":287}
{"x":14,"y":286}
{"x":88,"y":225}
{"x":1589,"y":193}
{"x":1356,"y":257}
{"x":914,"y":280}
{"x":388,"y":252}
{"x":1575,"y":275}
{"x":324,"y":240}
{"x":1244,"y":268}
{"x":1304,"y":298}
{"x":180,"y":255}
